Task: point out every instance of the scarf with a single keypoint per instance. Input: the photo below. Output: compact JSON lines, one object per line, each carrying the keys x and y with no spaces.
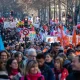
{"x":33,"y":76}
{"x":14,"y":72}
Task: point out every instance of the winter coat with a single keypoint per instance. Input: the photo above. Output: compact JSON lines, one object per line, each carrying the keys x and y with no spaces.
{"x":16,"y":74}
{"x":37,"y":76}
{"x":17,"y":77}
{"x":67,"y":65}
{"x":47,"y":72}
{"x":75,"y":75}
{"x":4,"y":75}
{"x":50,"y":64}
{"x":61,"y":75}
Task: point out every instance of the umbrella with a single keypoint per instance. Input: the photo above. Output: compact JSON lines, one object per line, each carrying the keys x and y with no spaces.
{"x":78,"y":26}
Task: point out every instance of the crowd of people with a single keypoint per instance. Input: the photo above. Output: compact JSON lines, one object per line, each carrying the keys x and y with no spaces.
{"x":21,"y":63}
{"x":37,"y":60}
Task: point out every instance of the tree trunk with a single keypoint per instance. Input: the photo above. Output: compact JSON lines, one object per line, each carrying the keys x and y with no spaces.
{"x":59,"y":4}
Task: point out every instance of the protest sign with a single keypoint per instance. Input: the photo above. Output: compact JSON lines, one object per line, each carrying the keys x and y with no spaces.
{"x":51,"y":39}
{"x":9,"y":24}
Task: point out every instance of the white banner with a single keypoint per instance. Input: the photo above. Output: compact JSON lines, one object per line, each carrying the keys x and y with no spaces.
{"x":77,"y":39}
{"x":10,"y":24}
{"x":51,"y":39}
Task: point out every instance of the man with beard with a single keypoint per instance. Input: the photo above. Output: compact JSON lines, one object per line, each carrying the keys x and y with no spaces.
{"x":54,"y":50}
{"x":45,"y":69}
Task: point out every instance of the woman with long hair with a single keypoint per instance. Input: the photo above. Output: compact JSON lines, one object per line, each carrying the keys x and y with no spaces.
{"x":32,"y":71}
{"x":13,"y":69}
{"x":60,"y":72}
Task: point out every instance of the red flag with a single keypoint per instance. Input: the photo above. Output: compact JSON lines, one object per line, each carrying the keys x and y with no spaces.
{"x":62,"y":35}
{"x":74,"y":37}
{"x":66,"y":41}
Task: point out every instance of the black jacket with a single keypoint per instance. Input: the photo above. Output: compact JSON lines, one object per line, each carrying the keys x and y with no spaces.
{"x":47,"y":72}
{"x":75,"y":75}
{"x":50,"y":64}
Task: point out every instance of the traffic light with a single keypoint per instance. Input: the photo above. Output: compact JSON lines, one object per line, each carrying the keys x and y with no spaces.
{"x":26,"y":22}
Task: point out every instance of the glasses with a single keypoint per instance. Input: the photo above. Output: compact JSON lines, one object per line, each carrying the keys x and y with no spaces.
{"x":34,"y":56}
{"x":3,"y":55}
{"x":14,"y":62}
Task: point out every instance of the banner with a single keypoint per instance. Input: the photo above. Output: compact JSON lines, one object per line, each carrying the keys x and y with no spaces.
{"x":51,"y":39}
{"x":70,"y":39}
{"x":77,"y":39}
{"x":32,"y":35}
{"x":10,"y":24}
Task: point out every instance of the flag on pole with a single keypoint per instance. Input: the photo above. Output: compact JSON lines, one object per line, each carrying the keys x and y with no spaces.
{"x":74,"y":37}
{"x":62,"y":37}
{"x":1,"y":44}
{"x":61,"y":34}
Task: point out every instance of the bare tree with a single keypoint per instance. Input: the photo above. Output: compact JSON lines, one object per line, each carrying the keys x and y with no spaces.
{"x":7,"y":5}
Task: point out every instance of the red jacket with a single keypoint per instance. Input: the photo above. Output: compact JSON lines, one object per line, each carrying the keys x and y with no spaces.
{"x":1,"y":21}
{"x":61,"y":75}
{"x":33,"y":77}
